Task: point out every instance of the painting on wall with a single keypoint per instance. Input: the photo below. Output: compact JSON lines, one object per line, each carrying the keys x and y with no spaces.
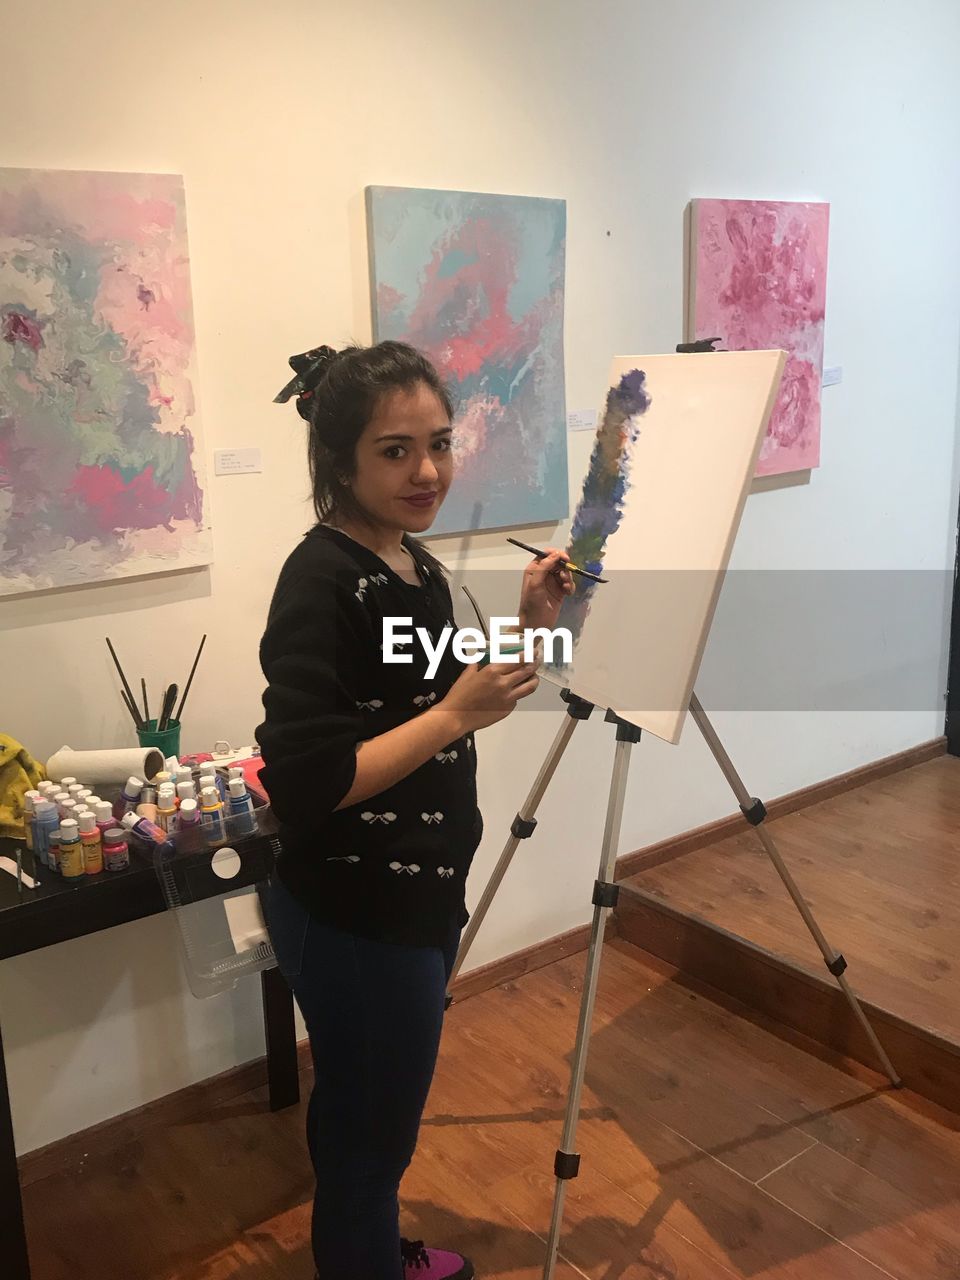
{"x":758,"y":280}
{"x":476,"y":282}
{"x":668,"y":478}
{"x":101,"y":465}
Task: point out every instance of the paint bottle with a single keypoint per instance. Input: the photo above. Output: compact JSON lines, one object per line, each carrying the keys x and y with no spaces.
{"x":241,"y":819}
{"x":167,"y":808}
{"x":59,"y":798}
{"x":148,"y":831}
{"x":66,"y":783}
{"x":90,"y":840}
{"x":84,"y":795}
{"x":191,"y":833}
{"x":29,"y":799}
{"x":73,"y":788}
{"x":68,"y":809}
{"x":48,"y":789}
{"x":128,"y":798}
{"x":116,"y":855}
{"x":105,"y":819}
{"x":162,"y":778}
{"x":234,"y":772}
{"x":211,"y":815}
{"x":46,"y":820}
{"x":148,"y":811}
{"x":186,"y":791}
{"x":184,"y":774}
{"x":71,"y":850}
{"x":55,"y":850}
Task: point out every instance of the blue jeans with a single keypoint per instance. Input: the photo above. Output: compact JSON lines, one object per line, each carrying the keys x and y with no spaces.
{"x":374,"y":1013}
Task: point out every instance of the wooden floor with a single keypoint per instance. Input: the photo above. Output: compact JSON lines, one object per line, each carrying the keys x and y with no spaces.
{"x":880,"y":868}
{"x":711,"y":1148}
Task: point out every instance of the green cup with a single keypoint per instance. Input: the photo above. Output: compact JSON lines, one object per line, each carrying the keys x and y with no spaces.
{"x":167,"y":742}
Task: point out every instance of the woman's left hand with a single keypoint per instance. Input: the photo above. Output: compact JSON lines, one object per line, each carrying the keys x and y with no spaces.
{"x":545,"y":584}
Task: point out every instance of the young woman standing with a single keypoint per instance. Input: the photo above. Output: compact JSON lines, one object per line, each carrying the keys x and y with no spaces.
{"x":371,"y":769}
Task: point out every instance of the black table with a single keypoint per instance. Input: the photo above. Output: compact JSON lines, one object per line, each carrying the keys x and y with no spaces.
{"x":59,"y":910}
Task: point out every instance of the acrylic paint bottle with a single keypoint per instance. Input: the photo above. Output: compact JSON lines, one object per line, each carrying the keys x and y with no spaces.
{"x":184,"y":774}
{"x":55,"y":850}
{"x":90,"y":839}
{"x":128,"y":798}
{"x":211,"y":815}
{"x":105,"y":818}
{"x":83,"y":796}
{"x":190,"y":836}
{"x":68,"y":809}
{"x":147,"y":810}
{"x":59,"y":798}
{"x":162,"y":778}
{"x":116,"y":855}
{"x":167,"y":808}
{"x":73,"y":789}
{"x":29,"y":799}
{"x":66,"y":783}
{"x":186,"y":790}
{"x":148,"y":831}
{"x":46,"y":820}
{"x":240,"y":814}
{"x":71,"y":850}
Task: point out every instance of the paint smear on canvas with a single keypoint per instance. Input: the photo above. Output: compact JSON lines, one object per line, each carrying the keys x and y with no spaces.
{"x":760,"y":282}
{"x":100,"y":467}
{"x":605,"y":490}
{"x":476,"y":282}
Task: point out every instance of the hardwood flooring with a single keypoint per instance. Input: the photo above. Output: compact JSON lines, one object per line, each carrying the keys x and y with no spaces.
{"x":711,"y":1148}
{"x":880,"y":868}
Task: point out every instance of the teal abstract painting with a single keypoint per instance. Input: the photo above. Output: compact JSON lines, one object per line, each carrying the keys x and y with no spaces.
{"x":476,"y":282}
{"x":101,"y":471}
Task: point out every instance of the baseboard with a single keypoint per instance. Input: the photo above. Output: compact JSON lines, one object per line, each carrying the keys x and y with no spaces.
{"x":655,"y":855}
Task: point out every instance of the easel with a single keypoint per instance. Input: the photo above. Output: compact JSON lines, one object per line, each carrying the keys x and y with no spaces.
{"x":606,"y":893}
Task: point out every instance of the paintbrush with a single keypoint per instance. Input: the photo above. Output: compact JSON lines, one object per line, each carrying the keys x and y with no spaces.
{"x":123,"y":678}
{"x":190,"y":679}
{"x":165,"y":711}
{"x":567,"y":564}
{"x":146,"y":709}
{"x":135,"y":715}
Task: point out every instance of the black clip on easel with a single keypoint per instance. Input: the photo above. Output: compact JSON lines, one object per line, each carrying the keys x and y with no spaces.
{"x":606,"y":893}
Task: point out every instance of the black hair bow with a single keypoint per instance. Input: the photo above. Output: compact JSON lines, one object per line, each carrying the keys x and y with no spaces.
{"x":309,"y":367}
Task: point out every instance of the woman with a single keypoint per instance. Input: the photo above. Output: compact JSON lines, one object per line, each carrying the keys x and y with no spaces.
{"x":372,"y":772}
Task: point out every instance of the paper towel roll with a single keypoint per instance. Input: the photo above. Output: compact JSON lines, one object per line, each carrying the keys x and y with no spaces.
{"x":105,"y":767}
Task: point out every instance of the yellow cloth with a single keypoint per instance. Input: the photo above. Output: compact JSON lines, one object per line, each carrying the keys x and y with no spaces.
{"x":19,"y":772}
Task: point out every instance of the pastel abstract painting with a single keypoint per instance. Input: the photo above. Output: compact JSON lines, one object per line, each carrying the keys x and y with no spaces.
{"x":758,"y":279}
{"x":662,"y":499}
{"x":101,"y":469}
{"x":476,"y":282}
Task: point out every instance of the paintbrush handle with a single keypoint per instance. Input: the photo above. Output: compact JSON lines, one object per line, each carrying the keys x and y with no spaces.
{"x":190,"y":678}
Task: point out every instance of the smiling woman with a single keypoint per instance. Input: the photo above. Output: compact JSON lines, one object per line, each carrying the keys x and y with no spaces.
{"x":371,"y":769}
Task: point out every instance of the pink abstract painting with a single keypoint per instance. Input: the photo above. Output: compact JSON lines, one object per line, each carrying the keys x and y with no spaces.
{"x":101,"y":465}
{"x":758,"y":280}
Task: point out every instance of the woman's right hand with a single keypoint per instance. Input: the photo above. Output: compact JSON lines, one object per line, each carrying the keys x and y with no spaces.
{"x":483,"y":695}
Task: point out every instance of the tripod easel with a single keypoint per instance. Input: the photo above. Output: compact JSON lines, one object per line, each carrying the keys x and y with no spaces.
{"x":605,"y":895}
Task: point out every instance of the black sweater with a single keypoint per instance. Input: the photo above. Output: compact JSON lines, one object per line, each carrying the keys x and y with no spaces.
{"x":392,"y":867}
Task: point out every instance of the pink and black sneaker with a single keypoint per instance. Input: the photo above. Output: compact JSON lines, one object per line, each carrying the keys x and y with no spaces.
{"x":433,"y":1264}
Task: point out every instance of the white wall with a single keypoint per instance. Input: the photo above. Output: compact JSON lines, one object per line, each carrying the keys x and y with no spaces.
{"x":278,"y":115}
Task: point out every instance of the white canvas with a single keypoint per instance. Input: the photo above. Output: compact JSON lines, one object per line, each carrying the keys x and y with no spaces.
{"x":672,"y":462}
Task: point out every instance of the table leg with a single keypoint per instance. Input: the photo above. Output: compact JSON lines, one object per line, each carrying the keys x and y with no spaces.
{"x":283,"y":1078}
{"x":16,"y":1264}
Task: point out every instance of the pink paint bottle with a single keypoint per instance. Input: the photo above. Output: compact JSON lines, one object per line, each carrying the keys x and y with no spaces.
{"x":104,"y":815}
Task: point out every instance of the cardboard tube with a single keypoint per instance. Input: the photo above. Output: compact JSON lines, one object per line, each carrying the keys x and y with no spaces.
{"x":101,"y":768}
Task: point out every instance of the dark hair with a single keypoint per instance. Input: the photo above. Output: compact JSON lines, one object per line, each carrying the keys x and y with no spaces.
{"x":338,"y":393}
